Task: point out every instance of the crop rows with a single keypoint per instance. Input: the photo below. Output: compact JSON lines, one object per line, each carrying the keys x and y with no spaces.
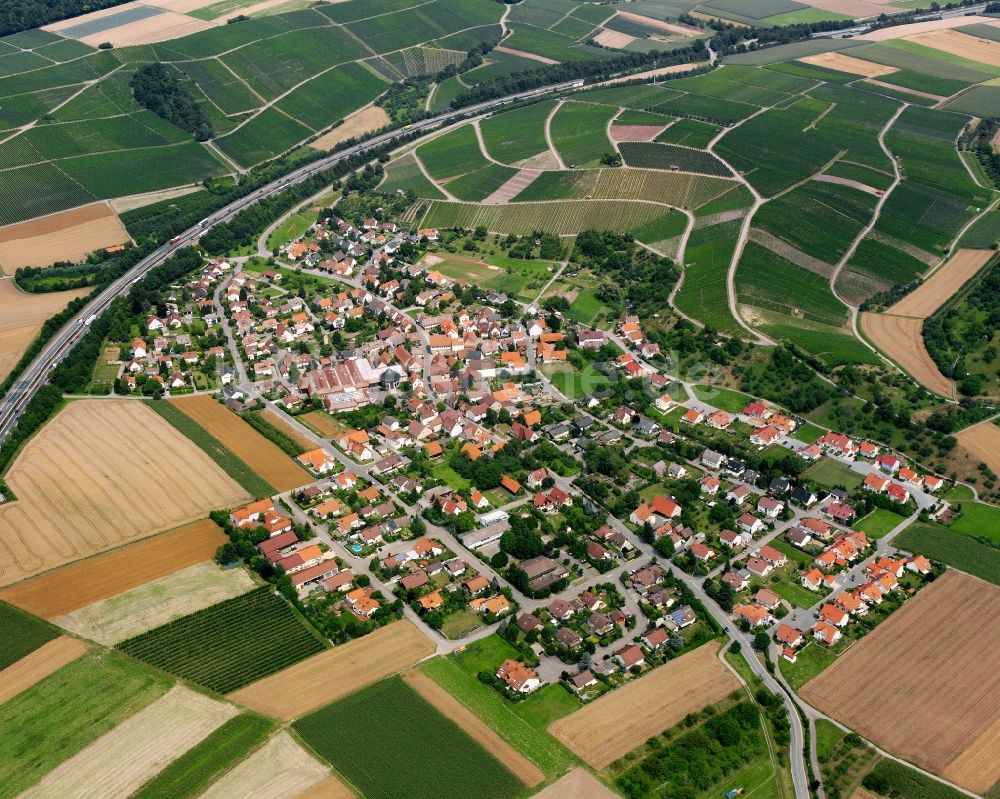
{"x":479,"y":185}
{"x":427,"y":22}
{"x":568,"y":217}
{"x":36,"y":190}
{"x":268,"y":134}
{"x":517,"y":135}
{"x":405,"y":175}
{"x":21,"y":634}
{"x":454,"y":153}
{"x":228,"y":645}
{"x":654,"y":155}
{"x":702,"y":295}
{"x":332,"y":96}
{"x":678,"y":189}
{"x":578,"y":133}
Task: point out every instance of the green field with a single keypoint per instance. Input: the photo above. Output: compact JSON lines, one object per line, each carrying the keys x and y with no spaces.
{"x":516,"y":135}
{"x":811,"y":660}
{"x":702,"y":295}
{"x":656,"y":155}
{"x":21,"y":634}
{"x":831,"y":473}
{"x":689,"y":132}
{"x":191,"y":773}
{"x":390,"y":742}
{"x":230,"y":644}
{"x":904,"y":781}
{"x":215,"y":449}
{"x":578,"y":133}
{"x":455,"y":153}
{"x":877,"y":523}
{"x":718,"y":397}
{"x":292,"y":228}
{"x":405,"y":174}
{"x":978,"y":520}
{"x":59,"y":716}
{"x":954,"y":549}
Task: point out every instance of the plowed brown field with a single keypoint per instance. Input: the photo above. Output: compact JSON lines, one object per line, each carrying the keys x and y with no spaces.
{"x":902,"y":339}
{"x":36,"y":666}
{"x":618,"y":722}
{"x":925,"y":685}
{"x":101,"y":474}
{"x":336,"y":672}
{"x":71,"y":587}
{"x":251,"y":447}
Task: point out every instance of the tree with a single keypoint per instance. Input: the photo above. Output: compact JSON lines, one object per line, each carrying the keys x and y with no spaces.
{"x":761,"y":641}
{"x":159,"y":90}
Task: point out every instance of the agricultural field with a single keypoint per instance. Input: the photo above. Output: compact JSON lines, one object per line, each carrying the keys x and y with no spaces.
{"x":702,"y":294}
{"x":901,"y":339}
{"x":261,"y":455}
{"x":22,"y":316}
{"x":229,"y":645}
{"x":615,"y":724}
{"x":280,"y":769}
{"x":689,"y":133}
{"x":578,"y":133}
{"x":337,"y":672}
{"x":404,"y":174}
{"x":38,"y":664}
{"x":655,"y":155}
{"x":65,"y":510}
{"x":983,"y":441}
{"x":22,"y":634}
{"x":69,"y":588}
{"x":952,"y":730}
{"x":68,"y":236}
{"x":517,"y":135}
{"x":954,"y":549}
{"x":363,"y":739}
{"x":455,"y":153}
{"x":155,"y":603}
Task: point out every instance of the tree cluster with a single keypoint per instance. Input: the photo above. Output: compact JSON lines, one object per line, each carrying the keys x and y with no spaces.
{"x":157,"y":88}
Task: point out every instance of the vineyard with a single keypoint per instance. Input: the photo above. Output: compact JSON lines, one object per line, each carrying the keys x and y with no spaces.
{"x":565,"y":218}
{"x":228,"y":645}
{"x":653,"y":155}
{"x":578,"y":133}
{"x":390,"y":742}
{"x":519,"y":134}
{"x":680,"y":190}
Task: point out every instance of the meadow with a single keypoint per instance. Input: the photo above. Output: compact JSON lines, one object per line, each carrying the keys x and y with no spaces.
{"x":362,"y":738}
{"x":229,"y":645}
{"x":954,"y":549}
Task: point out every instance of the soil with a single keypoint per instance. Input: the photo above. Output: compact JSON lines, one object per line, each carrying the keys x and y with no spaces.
{"x":901,"y":339}
{"x":358,"y":124}
{"x":66,"y":236}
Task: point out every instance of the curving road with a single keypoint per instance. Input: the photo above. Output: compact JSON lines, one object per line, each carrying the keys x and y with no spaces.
{"x":36,"y":374}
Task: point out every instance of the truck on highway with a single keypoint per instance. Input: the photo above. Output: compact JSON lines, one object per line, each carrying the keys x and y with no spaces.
{"x":87,"y":322}
{"x":175,"y":240}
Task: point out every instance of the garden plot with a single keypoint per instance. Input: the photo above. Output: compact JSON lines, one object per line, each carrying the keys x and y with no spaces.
{"x":73,"y":502}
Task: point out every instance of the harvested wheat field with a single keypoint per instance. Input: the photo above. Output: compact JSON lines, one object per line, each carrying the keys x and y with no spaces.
{"x":671,"y":70}
{"x":101,"y":474}
{"x":36,"y":666}
{"x":265,"y":458}
{"x":122,"y":760}
{"x":186,"y":591}
{"x":939,"y":287}
{"x":22,"y":316}
{"x":280,"y":769}
{"x":935,"y":676}
{"x":850,"y":64}
{"x":578,"y":784}
{"x":907,"y":31}
{"x":66,"y":236}
{"x":71,"y":587}
{"x":902,"y":340}
{"x":357,"y":124}
{"x":614,"y":39}
{"x":666,"y":27}
{"x":160,"y":28}
{"x":322,"y":423}
{"x":336,"y":672}
{"x":983,"y":441}
{"x":961,"y":44}
{"x":617,"y":723}
{"x":522,"y":768}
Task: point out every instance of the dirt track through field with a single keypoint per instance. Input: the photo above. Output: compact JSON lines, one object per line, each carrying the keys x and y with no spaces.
{"x":850,"y":64}
{"x":364,"y":121}
{"x":336,"y":672}
{"x":961,"y":44}
{"x":122,"y":760}
{"x":522,"y":768}
{"x":66,"y":236}
{"x":280,"y":769}
{"x":36,"y":666}
{"x":925,"y":685}
{"x":901,"y":338}
{"x":509,"y":190}
{"x":265,"y":458}
{"x":117,"y":618}
{"x":939,"y":287}
{"x":101,"y":474}
{"x":616,"y":723}
{"x":22,"y":316}
{"x":72,"y":587}
{"x":983,"y":441}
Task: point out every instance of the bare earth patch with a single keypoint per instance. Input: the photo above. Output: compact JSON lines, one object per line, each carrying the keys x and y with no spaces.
{"x":635,"y":132}
{"x":614,"y":39}
{"x":280,"y":769}
{"x":618,"y":722}
{"x":336,"y":672}
{"x":101,"y":474}
{"x":939,"y":287}
{"x":22,"y":316}
{"x":330,"y":788}
{"x":901,"y":339}
{"x":904,"y":31}
{"x":983,"y":441}
{"x":578,"y":784}
{"x":264,"y":457}
{"x":122,"y":760}
{"x":522,"y":768}
{"x":658,"y":24}
{"x":931,"y":658}
{"x":161,"y":28}
{"x":112,"y":620}
{"x":36,"y":666}
{"x":358,"y":124}
{"x":66,"y":236}
{"x":509,"y":190}
{"x":854,"y":184}
{"x":850,"y":64}
{"x":71,"y":587}
{"x":671,"y":70}
{"x":524,"y":54}
{"x":960,"y":44}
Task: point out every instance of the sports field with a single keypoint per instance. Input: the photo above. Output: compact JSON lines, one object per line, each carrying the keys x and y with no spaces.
{"x":615,"y":724}
{"x":932,"y":649}
{"x":67,"y":509}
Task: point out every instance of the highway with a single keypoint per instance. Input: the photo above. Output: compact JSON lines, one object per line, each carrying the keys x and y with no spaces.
{"x":36,"y":374}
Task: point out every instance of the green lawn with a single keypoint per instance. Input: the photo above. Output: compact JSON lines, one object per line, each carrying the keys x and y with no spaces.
{"x":461,"y":623}
{"x":21,"y":634}
{"x":543,"y":750}
{"x":794,"y":553}
{"x":546,"y":705}
{"x":725,"y":398}
{"x":793,"y":591}
{"x":831,"y":473}
{"x":444,"y":472}
{"x":65,"y":712}
{"x":572,"y":383}
{"x":808,"y":432}
{"x":877,"y":523}
{"x":292,"y":228}
{"x":978,"y":519}
{"x":486,"y":654}
{"x":810,"y":662}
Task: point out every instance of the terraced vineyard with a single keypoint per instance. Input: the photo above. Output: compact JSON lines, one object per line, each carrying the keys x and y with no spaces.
{"x":228,"y":645}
